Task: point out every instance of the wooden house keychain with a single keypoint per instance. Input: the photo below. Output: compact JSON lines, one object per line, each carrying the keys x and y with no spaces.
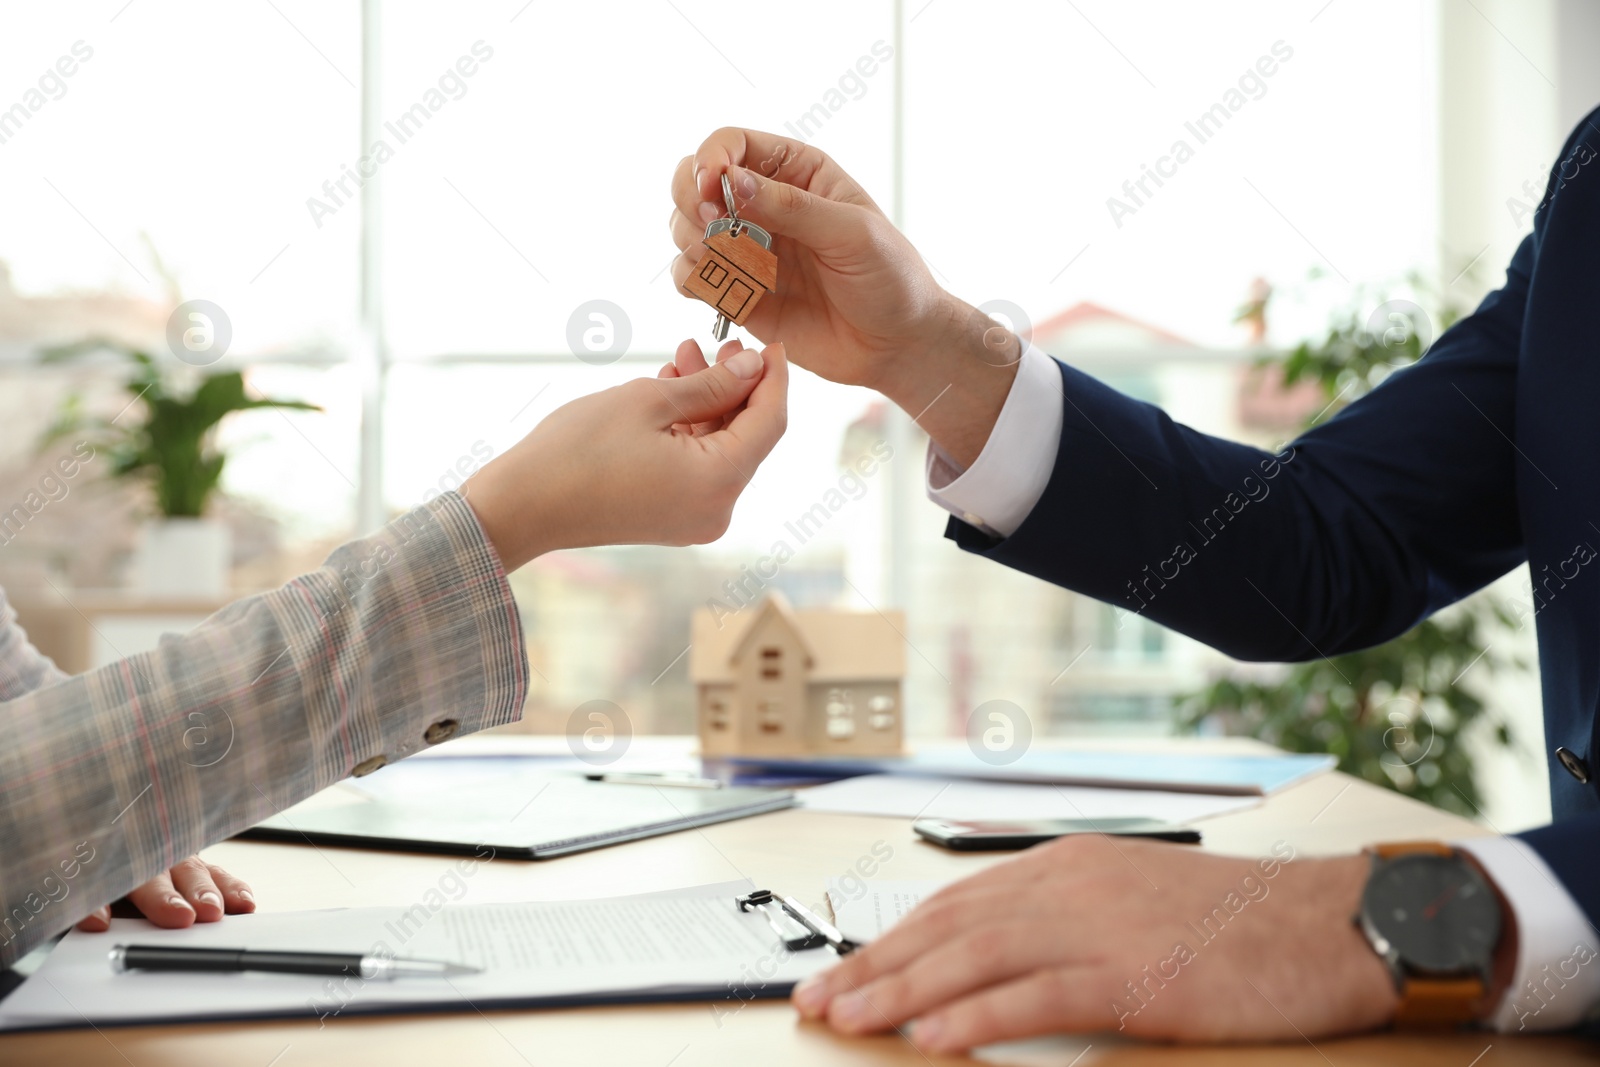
{"x":739,"y":267}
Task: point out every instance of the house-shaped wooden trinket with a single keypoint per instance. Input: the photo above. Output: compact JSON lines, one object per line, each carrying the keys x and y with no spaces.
{"x":771,"y":680}
{"x":736,"y":271}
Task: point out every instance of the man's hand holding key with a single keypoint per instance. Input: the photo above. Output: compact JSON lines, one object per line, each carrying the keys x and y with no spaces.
{"x":854,"y":302}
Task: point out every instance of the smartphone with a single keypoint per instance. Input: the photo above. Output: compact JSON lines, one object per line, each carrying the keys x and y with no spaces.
{"x":974,"y":835}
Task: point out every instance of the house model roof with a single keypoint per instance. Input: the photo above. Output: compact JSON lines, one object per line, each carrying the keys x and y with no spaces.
{"x":841,"y":646}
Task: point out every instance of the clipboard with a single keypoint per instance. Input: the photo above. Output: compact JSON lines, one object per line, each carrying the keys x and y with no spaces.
{"x":459,"y":807}
{"x":797,"y":926}
{"x":705,"y":943}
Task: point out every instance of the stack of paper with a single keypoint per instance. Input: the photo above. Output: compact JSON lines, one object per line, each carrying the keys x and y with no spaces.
{"x":863,"y":911}
{"x":684,"y":944}
{"x":966,"y":798}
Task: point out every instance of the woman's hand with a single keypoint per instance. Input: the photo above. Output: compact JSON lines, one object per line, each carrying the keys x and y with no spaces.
{"x":690,"y":360}
{"x":193,"y":891}
{"x":656,"y":461}
{"x":1094,"y":933}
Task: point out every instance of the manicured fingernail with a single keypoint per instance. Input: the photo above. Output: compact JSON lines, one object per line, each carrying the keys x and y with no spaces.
{"x":745,"y":365}
{"x":179,"y":902}
{"x":246,"y":896}
{"x":744,"y":183}
{"x":848,"y":1009}
{"x":209,"y":897}
{"x":709,"y":212}
{"x":925,"y":1033}
{"x":699,"y":172}
{"x":810,"y":996}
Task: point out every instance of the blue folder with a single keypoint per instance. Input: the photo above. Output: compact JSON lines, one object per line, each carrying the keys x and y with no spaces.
{"x":1229,"y":775}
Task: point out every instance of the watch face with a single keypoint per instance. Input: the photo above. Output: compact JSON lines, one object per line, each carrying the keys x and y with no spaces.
{"x":1437,"y":912}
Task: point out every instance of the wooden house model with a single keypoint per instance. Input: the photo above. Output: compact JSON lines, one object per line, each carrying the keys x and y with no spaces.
{"x":773,"y":681}
{"x":736,"y":271}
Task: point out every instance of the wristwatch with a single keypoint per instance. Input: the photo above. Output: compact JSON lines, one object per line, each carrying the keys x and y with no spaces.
{"x":1436,"y":921}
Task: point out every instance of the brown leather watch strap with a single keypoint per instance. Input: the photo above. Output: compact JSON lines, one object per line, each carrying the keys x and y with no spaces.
{"x":1428,"y":1002}
{"x":1390,"y":849}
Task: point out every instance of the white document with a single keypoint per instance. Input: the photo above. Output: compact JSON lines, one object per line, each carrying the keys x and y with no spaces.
{"x":862,"y":913}
{"x":684,"y":943}
{"x":907,"y":796}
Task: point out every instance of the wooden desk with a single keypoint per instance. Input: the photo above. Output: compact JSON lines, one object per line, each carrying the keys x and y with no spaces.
{"x":792,"y":849}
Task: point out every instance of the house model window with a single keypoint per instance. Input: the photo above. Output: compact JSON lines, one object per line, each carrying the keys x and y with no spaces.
{"x":771,"y":680}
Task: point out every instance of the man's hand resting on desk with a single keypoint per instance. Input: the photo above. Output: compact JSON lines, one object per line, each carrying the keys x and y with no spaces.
{"x":193,"y":891}
{"x":855,"y":302}
{"x":656,"y":461}
{"x":1050,"y":941}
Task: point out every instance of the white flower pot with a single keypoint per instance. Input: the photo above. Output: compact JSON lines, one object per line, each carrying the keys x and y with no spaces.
{"x":183,"y":558}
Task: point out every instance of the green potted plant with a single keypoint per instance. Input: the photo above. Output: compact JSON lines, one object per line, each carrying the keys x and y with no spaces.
{"x":166,"y":438}
{"x":1397,"y":714}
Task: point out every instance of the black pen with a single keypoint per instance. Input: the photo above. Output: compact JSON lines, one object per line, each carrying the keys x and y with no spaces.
{"x":343,"y":964}
{"x":680,"y":781}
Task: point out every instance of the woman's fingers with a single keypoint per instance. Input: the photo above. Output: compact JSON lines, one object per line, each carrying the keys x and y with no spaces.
{"x":708,"y":395}
{"x":689,"y":359}
{"x":671,"y":370}
{"x":192,"y":891}
{"x":192,"y":879}
{"x":237,"y":899}
{"x":756,"y":428}
{"x":728,"y":350}
{"x":160,"y":902}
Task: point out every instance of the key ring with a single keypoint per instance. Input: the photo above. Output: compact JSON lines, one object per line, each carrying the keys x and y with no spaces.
{"x":727,"y":196}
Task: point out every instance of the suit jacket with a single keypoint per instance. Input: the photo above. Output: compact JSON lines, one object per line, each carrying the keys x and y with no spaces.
{"x":401,"y":640}
{"x":1484,"y":454}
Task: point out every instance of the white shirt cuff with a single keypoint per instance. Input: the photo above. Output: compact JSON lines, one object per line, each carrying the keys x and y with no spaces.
{"x":1010,"y":475}
{"x":1557,"y":980}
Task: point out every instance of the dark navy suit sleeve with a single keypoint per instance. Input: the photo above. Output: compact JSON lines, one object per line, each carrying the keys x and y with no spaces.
{"x":1401,"y":504}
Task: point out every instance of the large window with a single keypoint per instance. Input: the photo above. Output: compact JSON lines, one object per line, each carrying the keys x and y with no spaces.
{"x":542,"y":183}
{"x":520,"y":155}
{"x":180,"y":150}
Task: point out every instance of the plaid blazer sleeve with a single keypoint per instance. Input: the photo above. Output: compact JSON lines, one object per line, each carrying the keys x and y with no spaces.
{"x":400,"y":641}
